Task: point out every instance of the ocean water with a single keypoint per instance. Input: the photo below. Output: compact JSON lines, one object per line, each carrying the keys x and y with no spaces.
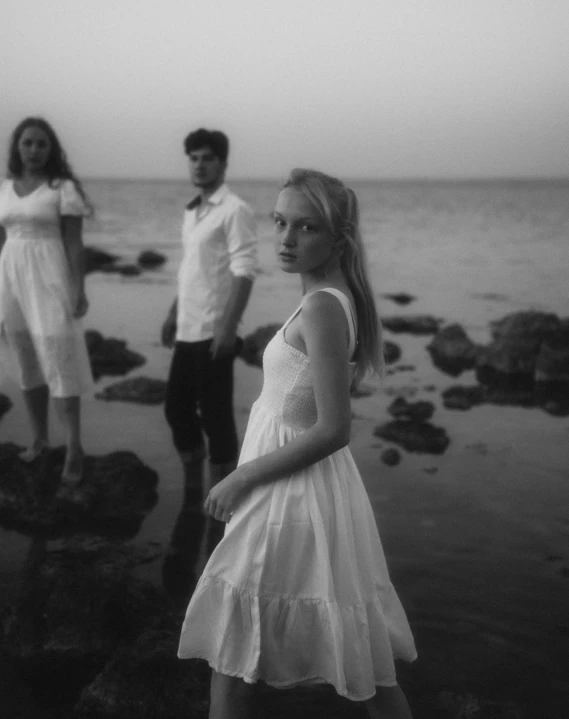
{"x":473,"y":553}
{"x":467,"y":249}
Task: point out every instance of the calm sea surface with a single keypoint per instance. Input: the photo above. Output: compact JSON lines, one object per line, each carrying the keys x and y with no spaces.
{"x":470,"y":252}
{"x":461,"y":247}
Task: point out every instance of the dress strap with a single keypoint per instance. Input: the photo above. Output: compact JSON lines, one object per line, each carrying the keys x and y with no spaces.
{"x":345,"y":302}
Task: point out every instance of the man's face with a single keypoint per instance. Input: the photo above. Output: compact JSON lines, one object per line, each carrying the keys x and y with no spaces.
{"x":206,"y":169}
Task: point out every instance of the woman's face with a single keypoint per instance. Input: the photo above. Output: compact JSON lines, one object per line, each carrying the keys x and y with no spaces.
{"x":303,"y":242}
{"x":34,"y":148}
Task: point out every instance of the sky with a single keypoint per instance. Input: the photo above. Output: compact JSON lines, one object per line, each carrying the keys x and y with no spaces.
{"x":358,"y":88}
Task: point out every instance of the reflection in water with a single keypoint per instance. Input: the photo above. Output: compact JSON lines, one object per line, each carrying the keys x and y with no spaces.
{"x":194,"y":537}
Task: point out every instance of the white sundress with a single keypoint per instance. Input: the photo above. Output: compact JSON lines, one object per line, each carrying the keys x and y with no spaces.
{"x":298,"y":589}
{"x":46,"y":342}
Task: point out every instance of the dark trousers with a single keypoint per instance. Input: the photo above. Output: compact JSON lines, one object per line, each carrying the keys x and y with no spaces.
{"x":199,"y":399}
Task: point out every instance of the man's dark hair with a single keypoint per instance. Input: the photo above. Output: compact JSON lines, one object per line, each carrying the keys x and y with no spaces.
{"x":216,"y":140}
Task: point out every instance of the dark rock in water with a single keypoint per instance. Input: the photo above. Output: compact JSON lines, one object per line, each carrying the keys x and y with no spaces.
{"x":400,"y":298}
{"x":527,"y":362}
{"x":412,"y":324}
{"x":5,"y":404}
{"x":391,"y":352}
{"x":452,"y":351}
{"x":149,"y":259}
{"x":254,"y":344}
{"x":115,"y":495}
{"x":141,"y":390}
{"x":110,"y":356}
{"x":391,"y":457}
{"x":468,"y":706}
{"x":125,"y":269}
{"x":362,"y":390}
{"x":96,"y":260}
{"x":414,"y":436}
{"x":420,"y":411}
{"x":147,"y":680}
{"x":460,"y":397}
{"x":78,"y":602}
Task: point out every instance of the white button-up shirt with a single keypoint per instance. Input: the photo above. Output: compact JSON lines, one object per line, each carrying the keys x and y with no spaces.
{"x":219,"y":242}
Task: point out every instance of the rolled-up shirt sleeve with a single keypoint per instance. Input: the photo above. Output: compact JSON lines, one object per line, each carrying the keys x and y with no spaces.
{"x":242,"y":242}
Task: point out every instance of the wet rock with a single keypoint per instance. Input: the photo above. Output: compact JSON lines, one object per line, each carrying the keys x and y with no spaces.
{"x":400,"y":298}
{"x":391,"y":352}
{"x":461,"y":397}
{"x":452,"y":351}
{"x":412,"y":324}
{"x":140,"y":390}
{"x":97,"y":260}
{"x":414,"y":436}
{"x":115,"y":495}
{"x":509,"y":360}
{"x":78,"y":602}
{"x":110,"y":356}
{"x":362,"y":390}
{"x":126,"y":269}
{"x":420,"y":411}
{"x":253,"y":346}
{"x":147,"y":680}
{"x":5,"y":404}
{"x":391,"y":457}
{"x":469,"y":706}
{"x":552,"y":372}
{"x":150,"y":259}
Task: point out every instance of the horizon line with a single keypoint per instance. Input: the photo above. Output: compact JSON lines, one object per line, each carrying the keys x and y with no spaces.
{"x":418,"y":178}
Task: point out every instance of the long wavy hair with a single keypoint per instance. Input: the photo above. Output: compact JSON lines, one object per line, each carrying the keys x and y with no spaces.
{"x":57,"y":166}
{"x":338,"y":207}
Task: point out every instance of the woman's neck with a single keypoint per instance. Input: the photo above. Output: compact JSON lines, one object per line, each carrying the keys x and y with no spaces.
{"x":333,"y":278}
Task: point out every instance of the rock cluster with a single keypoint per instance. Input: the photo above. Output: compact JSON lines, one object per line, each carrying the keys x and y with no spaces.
{"x":411,"y":428}
{"x":110,"y":356}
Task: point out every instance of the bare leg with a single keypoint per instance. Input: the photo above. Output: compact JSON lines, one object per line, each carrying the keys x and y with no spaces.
{"x":388,"y":703}
{"x":69,"y":411}
{"x":230,"y":697}
{"x":36,"y":401}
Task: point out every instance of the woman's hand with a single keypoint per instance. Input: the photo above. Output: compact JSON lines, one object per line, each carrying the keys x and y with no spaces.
{"x":224,"y":498}
{"x":81,"y":305}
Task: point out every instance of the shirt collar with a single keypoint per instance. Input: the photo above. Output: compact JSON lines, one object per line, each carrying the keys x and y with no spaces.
{"x":216,"y":199}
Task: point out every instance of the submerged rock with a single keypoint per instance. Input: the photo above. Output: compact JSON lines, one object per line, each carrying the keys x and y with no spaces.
{"x":400,"y":298}
{"x":115,"y":495}
{"x":391,"y":352}
{"x":412,"y":324}
{"x":253,"y":346}
{"x":391,"y":457}
{"x":147,"y":680}
{"x":461,"y":397}
{"x":420,"y":411}
{"x":141,"y":390}
{"x":5,"y":404}
{"x":97,"y":260}
{"x":452,"y":351}
{"x":125,"y":268}
{"x":414,"y":436}
{"x":78,"y":602}
{"x":110,"y":356}
{"x":150,"y":259}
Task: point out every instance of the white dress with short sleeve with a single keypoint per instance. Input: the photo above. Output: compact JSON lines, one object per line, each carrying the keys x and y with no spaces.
{"x":36,"y":313}
{"x":298,"y":589}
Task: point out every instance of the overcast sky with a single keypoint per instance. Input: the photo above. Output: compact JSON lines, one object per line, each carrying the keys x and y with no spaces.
{"x":361,"y":88}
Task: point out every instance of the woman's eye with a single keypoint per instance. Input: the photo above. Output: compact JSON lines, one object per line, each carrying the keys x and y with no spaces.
{"x":308,"y":228}
{"x":279,"y":223}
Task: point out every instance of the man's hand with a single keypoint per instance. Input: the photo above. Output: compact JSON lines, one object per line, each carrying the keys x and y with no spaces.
{"x":224,"y":343}
{"x":81,"y":305}
{"x":168,"y":335}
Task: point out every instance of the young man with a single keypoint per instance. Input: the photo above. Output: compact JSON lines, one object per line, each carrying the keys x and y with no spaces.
{"x":214,"y":283}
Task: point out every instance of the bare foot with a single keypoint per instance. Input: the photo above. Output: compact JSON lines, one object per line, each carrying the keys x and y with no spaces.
{"x":39,"y":446}
{"x":72,"y":472}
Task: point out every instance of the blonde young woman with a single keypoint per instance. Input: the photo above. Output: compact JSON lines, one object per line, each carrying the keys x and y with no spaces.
{"x":298,"y":590}
{"x":42,"y":294}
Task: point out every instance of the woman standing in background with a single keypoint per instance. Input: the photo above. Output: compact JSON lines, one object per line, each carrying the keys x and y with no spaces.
{"x":42,"y":293}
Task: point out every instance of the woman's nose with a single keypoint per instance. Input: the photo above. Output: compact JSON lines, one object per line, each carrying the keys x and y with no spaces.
{"x":289,"y":238}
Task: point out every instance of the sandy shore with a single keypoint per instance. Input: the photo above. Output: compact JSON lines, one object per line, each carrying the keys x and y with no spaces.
{"x":476,"y":538}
